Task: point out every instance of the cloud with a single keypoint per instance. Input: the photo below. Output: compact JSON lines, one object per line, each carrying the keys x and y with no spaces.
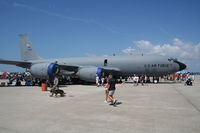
{"x":178,"y":48}
{"x":188,"y":52}
{"x":129,"y":50}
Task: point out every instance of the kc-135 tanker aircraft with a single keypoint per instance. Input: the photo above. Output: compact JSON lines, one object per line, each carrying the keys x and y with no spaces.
{"x":86,"y":68}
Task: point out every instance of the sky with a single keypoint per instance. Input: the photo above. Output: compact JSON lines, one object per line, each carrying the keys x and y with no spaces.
{"x":76,"y":28}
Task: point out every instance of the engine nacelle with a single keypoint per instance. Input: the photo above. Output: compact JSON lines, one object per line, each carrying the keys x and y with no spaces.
{"x":88,"y":74}
{"x":44,"y":70}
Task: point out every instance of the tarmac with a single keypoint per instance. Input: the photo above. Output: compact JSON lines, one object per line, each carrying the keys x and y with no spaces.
{"x":167,"y":107}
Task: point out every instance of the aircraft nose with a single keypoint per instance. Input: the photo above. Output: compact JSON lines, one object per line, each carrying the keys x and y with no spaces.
{"x":182,"y":66}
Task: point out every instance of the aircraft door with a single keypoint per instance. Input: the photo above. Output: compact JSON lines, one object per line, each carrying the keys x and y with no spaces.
{"x":106,"y":62}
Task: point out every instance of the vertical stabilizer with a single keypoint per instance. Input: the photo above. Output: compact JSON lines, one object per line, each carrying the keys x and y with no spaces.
{"x":27,"y":51}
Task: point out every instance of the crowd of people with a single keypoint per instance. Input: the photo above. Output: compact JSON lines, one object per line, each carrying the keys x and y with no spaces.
{"x":18,"y":78}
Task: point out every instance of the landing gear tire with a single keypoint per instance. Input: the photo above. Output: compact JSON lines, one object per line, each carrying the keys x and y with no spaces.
{"x":155,"y":80}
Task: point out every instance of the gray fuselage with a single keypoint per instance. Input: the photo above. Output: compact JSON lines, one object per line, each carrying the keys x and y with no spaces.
{"x":128,"y":65}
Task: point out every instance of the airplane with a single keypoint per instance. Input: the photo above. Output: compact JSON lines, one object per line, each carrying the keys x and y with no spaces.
{"x":87,"y":68}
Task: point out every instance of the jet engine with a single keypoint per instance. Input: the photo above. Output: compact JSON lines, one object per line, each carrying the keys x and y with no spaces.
{"x":44,"y":70}
{"x":88,"y":73}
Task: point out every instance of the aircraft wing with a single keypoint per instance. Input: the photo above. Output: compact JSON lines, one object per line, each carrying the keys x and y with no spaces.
{"x":25,"y":64}
{"x":68,"y":67}
{"x":75,"y":68}
{"x":111,"y":69}
{"x":16,"y":63}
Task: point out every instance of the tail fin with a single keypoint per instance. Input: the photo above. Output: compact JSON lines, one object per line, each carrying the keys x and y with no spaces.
{"x":27,"y":51}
